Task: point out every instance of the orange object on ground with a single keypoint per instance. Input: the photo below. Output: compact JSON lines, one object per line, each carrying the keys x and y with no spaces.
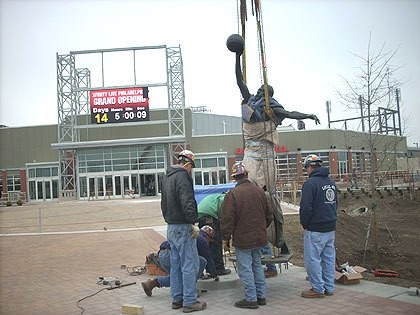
{"x":385,"y":273}
{"x":155,"y":270}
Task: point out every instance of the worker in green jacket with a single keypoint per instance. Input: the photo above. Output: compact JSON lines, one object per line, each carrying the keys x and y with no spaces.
{"x":209,"y":214}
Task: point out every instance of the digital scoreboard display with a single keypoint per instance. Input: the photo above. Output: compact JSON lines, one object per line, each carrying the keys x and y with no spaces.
{"x":119,"y":105}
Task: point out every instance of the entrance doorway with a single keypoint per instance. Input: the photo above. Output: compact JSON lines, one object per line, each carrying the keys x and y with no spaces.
{"x":148,"y":184}
{"x":118,"y":186}
{"x":96,"y":187}
{"x":43,"y":189}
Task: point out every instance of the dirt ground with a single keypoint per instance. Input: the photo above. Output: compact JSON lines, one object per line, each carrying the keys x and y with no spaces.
{"x":396,"y":238}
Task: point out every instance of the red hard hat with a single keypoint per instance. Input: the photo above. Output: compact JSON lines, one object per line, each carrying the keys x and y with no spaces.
{"x":312,"y":159}
{"x":209,"y":231}
{"x":187,"y":155}
{"x":239,"y":169}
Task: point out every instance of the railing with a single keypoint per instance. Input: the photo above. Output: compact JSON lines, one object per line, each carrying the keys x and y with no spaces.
{"x":13,"y":197}
{"x":389,"y":179}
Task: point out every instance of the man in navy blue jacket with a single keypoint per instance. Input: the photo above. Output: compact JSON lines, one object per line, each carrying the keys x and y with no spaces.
{"x":318,"y":216}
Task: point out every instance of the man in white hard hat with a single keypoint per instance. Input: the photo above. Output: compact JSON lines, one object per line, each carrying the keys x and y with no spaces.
{"x":318,"y":217}
{"x":179,"y":210}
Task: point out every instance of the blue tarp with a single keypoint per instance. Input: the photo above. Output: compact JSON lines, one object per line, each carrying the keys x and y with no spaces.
{"x":202,"y":191}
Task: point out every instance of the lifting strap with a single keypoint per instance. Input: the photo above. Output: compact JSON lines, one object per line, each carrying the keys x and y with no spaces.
{"x":268,"y":110}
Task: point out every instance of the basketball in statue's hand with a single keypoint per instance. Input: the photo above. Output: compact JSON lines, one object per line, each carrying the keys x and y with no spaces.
{"x":235,"y":43}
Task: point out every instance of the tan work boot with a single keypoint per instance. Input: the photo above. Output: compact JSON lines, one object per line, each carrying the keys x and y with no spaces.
{"x":149,"y":285}
{"x":270,"y":273}
{"x":197,"y":306}
{"x":311,"y":293}
{"x":246,"y":304}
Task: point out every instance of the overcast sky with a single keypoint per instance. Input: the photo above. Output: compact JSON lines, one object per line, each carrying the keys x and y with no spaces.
{"x":310,"y":46}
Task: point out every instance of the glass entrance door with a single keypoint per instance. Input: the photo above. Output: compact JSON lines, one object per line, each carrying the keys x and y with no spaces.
{"x":47,"y":189}
{"x":148,"y":184}
{"x":117,"y":182}
{"x":126,"y":185}
{"x":96,"y":187}
{"x":40,"y":190}
{"x":109,"y":186}
{"x":43,"y":189}
{"x":92,"y":188}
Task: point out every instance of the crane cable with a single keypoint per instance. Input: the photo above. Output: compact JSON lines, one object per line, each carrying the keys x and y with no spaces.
{"x":243,"y":18}
{"x":258,"y":15}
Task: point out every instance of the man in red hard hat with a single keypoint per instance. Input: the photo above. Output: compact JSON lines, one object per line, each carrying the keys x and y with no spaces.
{"x":246,"y":215}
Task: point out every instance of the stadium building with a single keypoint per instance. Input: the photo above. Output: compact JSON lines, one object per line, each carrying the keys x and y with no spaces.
{"x":109,"y":144}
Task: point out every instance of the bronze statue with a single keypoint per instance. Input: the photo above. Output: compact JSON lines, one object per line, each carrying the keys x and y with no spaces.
{"x":253,"y":105}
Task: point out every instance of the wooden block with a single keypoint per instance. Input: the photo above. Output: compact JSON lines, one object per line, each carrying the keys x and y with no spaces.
{"x":154,"y":270}
{"x":130,"y":309}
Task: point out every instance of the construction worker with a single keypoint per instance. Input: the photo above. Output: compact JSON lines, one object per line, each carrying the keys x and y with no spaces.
{"x":318,"y":217}
{"x":209,"y":214}
{"x":206,"y":262}
{"x":246,"y":214}
{"x":179,"y":209}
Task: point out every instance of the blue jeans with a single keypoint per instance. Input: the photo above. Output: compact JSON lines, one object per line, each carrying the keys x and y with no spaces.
{"x":319,"y":257}
{"x":268,"y":252}
{"x":251,"y":272}
{"x":165,"y":261}
{"x":184,"y":263}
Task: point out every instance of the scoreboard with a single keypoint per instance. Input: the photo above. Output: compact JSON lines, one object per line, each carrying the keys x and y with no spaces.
{"x":119,"y":105}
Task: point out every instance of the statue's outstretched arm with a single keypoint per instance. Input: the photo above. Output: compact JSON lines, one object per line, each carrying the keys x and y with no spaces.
{"x":240,"y":80}
{"x":282,"y":113}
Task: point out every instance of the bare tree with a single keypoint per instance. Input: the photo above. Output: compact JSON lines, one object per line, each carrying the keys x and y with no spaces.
{"x":375,"y":92}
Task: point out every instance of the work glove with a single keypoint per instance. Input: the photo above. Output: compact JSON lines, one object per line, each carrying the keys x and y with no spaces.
{"x":195,"y":231}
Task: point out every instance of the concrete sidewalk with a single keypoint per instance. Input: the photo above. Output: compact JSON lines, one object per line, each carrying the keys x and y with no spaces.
{"x":52,"y":255}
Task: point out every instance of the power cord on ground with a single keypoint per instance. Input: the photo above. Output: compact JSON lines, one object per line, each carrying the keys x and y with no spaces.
{"x":111,"y":282}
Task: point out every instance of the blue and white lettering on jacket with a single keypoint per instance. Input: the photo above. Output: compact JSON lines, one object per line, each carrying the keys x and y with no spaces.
{"x":319,"y":203}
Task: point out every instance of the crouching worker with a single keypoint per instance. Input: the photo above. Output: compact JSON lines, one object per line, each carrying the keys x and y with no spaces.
{"x":206,"y":262}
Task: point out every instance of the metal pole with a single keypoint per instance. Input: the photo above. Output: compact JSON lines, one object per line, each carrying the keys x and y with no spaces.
{"x":397,"y":95}
{"x":39,"y":221}
{"x":328,"y":103}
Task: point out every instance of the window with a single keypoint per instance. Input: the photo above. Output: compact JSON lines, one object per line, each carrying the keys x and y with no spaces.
{"x":324,"y":156}
{"x":13,"y":183}
{"x":209,"y":162}
{"x":358,"y":161}
{"x":198,"y":179}
{"x":210,"y":170}
{"x":35,"y":171}
{"x":43,"y":172}
{"x":286,"y":166}
{"x":121,"y":159}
